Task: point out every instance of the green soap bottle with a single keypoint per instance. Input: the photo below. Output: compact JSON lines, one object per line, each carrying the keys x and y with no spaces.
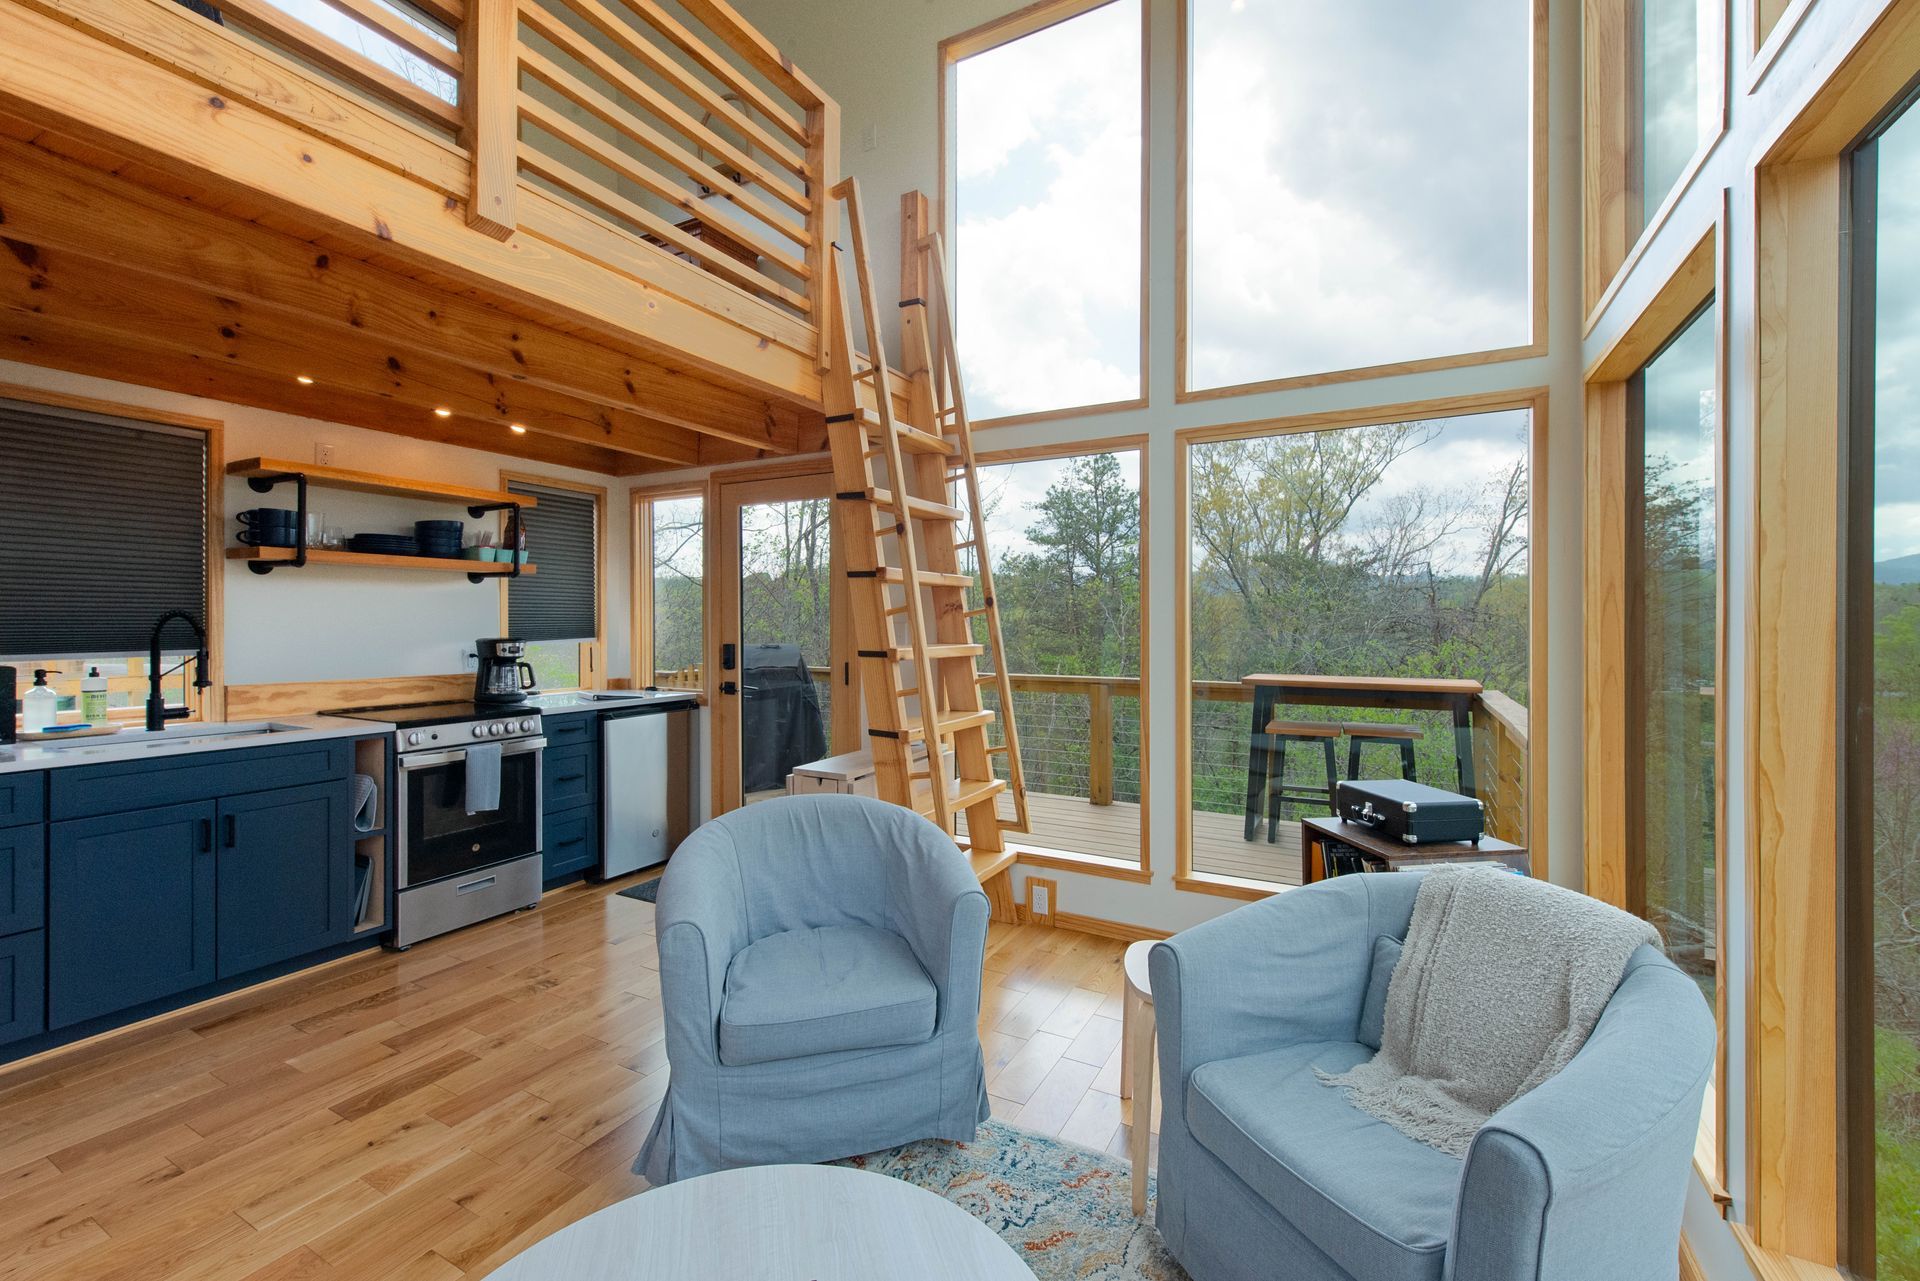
{"x":93,"y":697}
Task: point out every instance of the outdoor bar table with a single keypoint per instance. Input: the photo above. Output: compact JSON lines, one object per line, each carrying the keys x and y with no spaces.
{"x":1408,"y":693}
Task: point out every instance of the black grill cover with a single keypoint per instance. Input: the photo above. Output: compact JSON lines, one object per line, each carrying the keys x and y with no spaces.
{"x":780,"y":721}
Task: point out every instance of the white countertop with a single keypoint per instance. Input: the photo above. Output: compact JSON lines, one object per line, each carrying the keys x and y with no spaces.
{"x":612,"y":700}
{"x":181,"y":739}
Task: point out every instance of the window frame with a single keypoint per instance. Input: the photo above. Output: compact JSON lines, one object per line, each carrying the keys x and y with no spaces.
{"x":1537,"y":264}
{"x":211,"y":704}
{"x":1073,"y":860}
{"x":1610,"y":247}
{"x":640,"y":501}
{"x":593,"y":666}
{"x":992,"y":35}
{"x":1611,"y":642}
{"x":1535,"y":401}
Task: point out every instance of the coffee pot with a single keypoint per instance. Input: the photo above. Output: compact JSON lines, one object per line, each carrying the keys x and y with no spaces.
{"x":504,"y":676}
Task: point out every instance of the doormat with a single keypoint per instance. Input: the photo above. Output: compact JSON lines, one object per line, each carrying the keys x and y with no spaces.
{"x":647,"y":891}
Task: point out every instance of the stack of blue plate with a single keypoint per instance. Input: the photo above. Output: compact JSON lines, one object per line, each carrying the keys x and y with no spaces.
{"x":439,"y":537}
{"x":384,"y":544}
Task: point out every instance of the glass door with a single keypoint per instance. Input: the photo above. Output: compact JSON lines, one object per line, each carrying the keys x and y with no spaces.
{"x":783,"y":685}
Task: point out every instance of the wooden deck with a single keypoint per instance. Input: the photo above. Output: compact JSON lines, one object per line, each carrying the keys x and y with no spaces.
{"x":1069,"y":823}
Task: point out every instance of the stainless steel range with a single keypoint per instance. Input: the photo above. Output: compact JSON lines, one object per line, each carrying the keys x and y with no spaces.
{"x":467,"y":813}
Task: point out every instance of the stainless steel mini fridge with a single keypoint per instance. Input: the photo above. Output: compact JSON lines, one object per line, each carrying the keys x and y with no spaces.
{"x":648,"y":802}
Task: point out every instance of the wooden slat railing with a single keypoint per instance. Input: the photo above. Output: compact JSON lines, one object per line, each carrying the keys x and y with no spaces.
{"x":696,"y":139}
{"x":1500,"y":764}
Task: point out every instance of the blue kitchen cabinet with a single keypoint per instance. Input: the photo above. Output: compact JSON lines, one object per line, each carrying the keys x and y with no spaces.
{"x":284,"y":875}
{"x":23,"y":986}
{"x":23,"y":878}
{"x":572,"y":843}
{"x":570,"y":797}
{"x":130,"y":909}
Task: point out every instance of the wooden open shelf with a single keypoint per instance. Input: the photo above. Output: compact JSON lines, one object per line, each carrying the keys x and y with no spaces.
{"x":366,"y":482}
{"x":367,"y":560}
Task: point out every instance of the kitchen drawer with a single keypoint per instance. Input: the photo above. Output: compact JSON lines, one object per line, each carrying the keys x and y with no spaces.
{"x":23,"y":797}
{"x":572,"y":777}
{"x":572,"y":843}
{"x":23,"y":986}
{"x":23,"y":878}
{"x":572,"y":730}
{"x":91,"y":790}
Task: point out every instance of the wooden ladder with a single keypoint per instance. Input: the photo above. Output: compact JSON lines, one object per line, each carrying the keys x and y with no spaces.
{"x":920,"y":634}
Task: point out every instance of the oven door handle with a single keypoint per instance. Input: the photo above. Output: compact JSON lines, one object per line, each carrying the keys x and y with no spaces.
{"x":425,"y":760}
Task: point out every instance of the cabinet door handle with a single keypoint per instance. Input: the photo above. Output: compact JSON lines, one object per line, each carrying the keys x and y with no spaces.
{"x":578,"y":840}
{"x":233,"y":836}
{"x":206,"y":836}
{"x":568,"y":778}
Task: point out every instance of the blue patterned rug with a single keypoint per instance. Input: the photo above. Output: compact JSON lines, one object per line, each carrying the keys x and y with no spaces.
{"x":1066,"y":1210}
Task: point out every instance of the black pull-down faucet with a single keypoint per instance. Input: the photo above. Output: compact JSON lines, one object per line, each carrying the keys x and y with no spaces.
{"x":158,"y":713}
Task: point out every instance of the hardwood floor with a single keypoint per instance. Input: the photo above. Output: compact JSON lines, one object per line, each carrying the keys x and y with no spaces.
{"x":423,"y":1116}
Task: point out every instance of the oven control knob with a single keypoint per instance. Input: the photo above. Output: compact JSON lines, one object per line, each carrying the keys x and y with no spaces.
{"x":479,"y":731}
{"x":526,"y":727}
{"x":413,"y":739}
{"x":495,"y":730}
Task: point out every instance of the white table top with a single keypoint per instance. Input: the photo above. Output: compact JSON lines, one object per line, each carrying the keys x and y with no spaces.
{"x":1135,"y":963}
{"x":775,"y":1223}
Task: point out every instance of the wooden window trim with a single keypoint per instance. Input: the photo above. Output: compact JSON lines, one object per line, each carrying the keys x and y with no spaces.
{"x":1074,"y":860}
{"x":1609,"y":822}
{"x":212,"y":705}
{"x":593,"y":654}
{"x":1537,"y":259}
{"x":1610,"y":247}
{"x":1535,"y":401}
{"x":640,"y":502}
{"x":1005,"y":30}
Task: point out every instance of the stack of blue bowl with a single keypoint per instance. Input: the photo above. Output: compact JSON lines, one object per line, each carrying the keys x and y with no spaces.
{"x":439,"y":538}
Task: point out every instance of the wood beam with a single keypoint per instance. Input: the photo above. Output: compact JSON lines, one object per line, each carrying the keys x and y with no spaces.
{"x":78,"y":291}
{"x":61,"y":204}
{"x":36,"y":340}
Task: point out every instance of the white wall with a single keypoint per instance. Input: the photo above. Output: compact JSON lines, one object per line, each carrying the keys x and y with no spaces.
{"x":331,"y":622}
{"x":878,"y":59}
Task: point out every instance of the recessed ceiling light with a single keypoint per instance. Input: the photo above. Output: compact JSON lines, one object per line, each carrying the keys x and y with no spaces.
{"x":303,"y":379}
{"x":517,"y":429}
{"x":443,"y":412}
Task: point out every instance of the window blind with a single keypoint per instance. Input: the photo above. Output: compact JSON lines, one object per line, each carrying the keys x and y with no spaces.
{"x":103,"y":528}
{"x":562,"y":600}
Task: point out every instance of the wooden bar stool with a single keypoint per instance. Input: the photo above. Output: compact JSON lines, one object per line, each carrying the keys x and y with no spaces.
{"x":1278,"y":790}
{"x":1364,"y":733}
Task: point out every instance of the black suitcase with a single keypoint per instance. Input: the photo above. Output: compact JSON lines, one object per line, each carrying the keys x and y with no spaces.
{"x":1411,"y":812}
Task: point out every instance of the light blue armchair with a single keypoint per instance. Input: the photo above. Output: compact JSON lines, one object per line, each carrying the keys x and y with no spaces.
{"x":1265,"y":1172}
{"x":820,"y":961}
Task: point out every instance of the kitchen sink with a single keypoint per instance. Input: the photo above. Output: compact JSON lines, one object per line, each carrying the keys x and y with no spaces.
{"x":148,"y":740}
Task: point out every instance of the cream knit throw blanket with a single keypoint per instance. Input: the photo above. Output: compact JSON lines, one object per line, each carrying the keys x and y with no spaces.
{"x":1500,"y":981}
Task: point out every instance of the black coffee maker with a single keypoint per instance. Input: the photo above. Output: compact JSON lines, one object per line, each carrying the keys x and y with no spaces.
{"x":504,"y":677}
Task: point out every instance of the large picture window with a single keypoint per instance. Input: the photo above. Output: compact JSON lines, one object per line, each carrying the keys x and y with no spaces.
{"x":670,"y":589}
{"x":1047,"y":172}
{"x":1390,"y":556}
{"x":1882,"y":967}
{"x":1065,"y":534}
{"x":1677,"y":43}
{"x":1358,"y":185}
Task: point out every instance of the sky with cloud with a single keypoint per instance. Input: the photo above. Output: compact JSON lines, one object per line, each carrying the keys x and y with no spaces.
{"x":1896,"y":460}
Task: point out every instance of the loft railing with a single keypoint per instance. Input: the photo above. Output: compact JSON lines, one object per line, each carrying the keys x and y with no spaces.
{"x":672,"y":124}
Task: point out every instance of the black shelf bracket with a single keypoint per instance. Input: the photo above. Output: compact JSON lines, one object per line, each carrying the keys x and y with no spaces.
{"x":512,"y":536}
{"x":264,"y":485}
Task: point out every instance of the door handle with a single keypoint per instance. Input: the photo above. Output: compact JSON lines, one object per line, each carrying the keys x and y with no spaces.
{"x":728,"y":687}
{"x":727,"y":653}
{"x":206,"y":836}
{"x":233,"y":836}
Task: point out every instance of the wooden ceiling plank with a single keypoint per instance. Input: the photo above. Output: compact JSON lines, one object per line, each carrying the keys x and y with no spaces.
{"x":78,"y":290}
{"x":36,"y":340}
{"x":59,"y":204}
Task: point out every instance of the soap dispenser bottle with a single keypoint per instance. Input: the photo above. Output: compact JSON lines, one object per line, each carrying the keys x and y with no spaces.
{"x":93,"y":697}
{"x":40,"y":707}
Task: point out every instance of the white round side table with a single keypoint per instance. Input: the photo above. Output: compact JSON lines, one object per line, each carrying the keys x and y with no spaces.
{"x":774,"y":1223}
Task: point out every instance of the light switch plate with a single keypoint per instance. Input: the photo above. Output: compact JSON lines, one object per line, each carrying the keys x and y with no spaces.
{"x":869,"y":137}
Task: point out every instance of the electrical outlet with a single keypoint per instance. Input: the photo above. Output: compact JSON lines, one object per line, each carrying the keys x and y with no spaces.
{"x":322,"y":454}
{"x":869,"y":137}
{"x":1042,"y":901}
{"x":469,"y":661}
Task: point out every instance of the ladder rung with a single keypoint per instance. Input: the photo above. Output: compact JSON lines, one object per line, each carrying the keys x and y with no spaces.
{"x":917,"y":507}
{"x":975,"y":613}
{"x":865,"y":375}
{"x":996,"y":749}
{"x":927,"y":578}
{"x":971,"y":792}
{"x":938,"y":653}
{"x":951,"y":723}
{"x":912,"y":439}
